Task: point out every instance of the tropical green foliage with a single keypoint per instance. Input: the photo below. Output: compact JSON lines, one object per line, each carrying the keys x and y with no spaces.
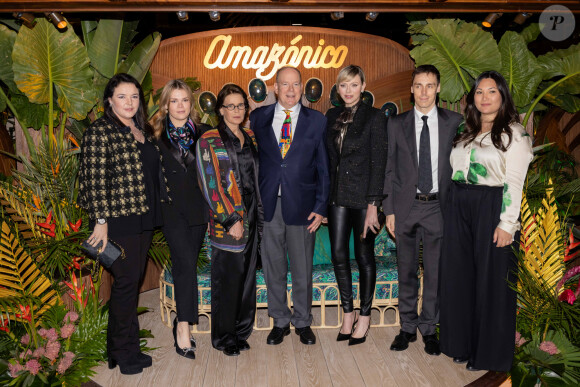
{"x":461,"y":51}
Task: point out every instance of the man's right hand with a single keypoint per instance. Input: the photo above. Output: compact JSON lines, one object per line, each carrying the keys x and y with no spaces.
{"x":390,"y":224}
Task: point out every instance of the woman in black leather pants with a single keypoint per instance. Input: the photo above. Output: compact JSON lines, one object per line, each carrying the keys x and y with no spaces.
{"x":357,"y":148}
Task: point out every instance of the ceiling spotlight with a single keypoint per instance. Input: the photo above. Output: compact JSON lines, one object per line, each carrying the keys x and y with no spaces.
{"x":182,"y":15}
{"x":522,"y":17}
{"x":371,"y":16}
{"x":490,"y":19}
{"x":26,"y":18}
{"x":57,"y":20}
{"x":336,"y":15}
{"x":214,"y":15}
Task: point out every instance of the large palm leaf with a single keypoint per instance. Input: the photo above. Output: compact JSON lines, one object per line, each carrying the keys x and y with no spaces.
{"x":21,"y":282}
{"x":522,"y":80}
{"x":46,"y":60}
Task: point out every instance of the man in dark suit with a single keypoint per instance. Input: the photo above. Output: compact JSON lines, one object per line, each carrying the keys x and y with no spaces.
{"x":294,"y":185}
{"x":417,"y":180}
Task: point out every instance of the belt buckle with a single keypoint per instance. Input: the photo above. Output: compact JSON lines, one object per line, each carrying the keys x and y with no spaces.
{"x":423,"y":197}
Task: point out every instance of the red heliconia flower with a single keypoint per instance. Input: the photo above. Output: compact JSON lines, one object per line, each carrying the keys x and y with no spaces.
{"x":78,"y":288}
{"x":568,"y":296}
{"x":75,"y":262}
{"x":5,"y":327}
{"x":571,"y":246}
{"x":48,"y":224}
{"x":25,"y":315}
{"x":76,"y":226}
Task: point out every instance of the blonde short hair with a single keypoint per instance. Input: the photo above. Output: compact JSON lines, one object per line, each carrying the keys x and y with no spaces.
{"x":349,"y":72}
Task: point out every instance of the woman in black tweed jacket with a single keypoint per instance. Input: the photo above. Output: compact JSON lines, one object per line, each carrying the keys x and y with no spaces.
{"x":357,"y":148}
{"x":121,"y":183}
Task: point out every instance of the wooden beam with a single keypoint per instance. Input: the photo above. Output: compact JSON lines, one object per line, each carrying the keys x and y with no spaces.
{"x":289,"y":6}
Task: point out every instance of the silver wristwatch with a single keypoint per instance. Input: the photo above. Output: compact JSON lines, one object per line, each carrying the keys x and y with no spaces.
{"x":101,"y":220}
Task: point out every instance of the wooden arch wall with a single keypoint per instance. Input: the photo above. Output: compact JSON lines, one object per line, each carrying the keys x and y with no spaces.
{"x":387,"y":64}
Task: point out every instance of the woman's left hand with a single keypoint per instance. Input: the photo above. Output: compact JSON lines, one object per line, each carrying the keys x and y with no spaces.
{"x":371,"y":220}
{"x":502,"y":238}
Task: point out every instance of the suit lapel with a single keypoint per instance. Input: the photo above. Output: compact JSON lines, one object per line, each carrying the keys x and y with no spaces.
{"x":409,"y":130}
{"x":443,"y":140}
{"x":271,"y":137}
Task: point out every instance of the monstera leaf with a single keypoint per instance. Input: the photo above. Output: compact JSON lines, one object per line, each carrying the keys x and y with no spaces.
{"x":46,"y":60}
{"x":460,"y":51}
{"x":139,"y":60}
{"x":522,"y":80}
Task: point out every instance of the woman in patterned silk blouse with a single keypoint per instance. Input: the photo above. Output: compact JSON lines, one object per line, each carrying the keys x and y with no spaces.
{"x":490,"y":159}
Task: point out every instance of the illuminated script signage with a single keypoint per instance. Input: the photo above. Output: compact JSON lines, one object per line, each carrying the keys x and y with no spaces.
{"x":267,"y":60}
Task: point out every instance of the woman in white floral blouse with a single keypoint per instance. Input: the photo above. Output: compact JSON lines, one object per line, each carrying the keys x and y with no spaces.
{"x":490,"y":159}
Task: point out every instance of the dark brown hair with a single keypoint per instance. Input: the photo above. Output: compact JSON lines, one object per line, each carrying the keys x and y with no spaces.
{"x":140,"y":117}
{"x":230,"y":89}
{"x":506,"y":115}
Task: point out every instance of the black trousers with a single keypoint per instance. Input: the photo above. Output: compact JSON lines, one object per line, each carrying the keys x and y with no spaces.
{"x":123,"y":327}
{"x":477,"y":306}
{"x":233,"y":288}
{"x":185,"y":242}
{"x":341,"y":221}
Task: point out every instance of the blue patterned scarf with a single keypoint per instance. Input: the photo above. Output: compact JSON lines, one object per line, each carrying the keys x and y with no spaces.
{"x":183,"y":137}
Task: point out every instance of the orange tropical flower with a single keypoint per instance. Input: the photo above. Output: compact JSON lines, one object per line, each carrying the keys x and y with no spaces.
{"x":25,"y":315}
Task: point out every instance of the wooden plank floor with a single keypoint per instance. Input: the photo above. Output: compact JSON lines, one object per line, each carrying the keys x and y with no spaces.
{"x":328,"y":363}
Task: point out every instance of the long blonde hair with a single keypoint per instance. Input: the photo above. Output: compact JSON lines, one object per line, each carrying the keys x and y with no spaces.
{"x":158,"y":120}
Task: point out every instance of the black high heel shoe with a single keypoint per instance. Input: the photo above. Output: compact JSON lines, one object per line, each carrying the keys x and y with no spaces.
{"x":126,"y":368}
{"x":188,"y":352}
{"x":346,"y":336}
{"x":359,"y":340}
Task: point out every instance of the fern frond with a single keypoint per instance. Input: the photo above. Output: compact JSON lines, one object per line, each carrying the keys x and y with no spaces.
{"x":21,"y":280}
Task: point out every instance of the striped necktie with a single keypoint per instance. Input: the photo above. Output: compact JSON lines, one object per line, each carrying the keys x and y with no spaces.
{"x":286,"y":135}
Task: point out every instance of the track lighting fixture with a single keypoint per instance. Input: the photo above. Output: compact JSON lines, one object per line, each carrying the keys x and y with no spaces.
{"x":490,"y":19}
{"x":336,"y":15}
{"x":214,"y":15}
{"x":182,"y":15}
{"x":26,"y":18}
{"x":522,"y":17}
{"x":371,"y":16}
{"x":56,"y":19}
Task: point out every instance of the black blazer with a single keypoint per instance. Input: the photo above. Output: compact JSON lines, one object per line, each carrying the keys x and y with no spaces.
{"x":187,"y":199}
{"x":357,"y":173}
{"x":402,"y":165}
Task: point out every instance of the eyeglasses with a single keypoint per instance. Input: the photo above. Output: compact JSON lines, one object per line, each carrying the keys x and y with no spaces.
{"x":231,"y":107}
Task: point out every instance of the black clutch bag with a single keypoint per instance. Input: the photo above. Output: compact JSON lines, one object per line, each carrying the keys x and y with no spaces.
{"x":107,"y":257}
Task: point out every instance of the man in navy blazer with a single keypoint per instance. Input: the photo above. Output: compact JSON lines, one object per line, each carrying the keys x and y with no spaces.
{"x":294,"y":190}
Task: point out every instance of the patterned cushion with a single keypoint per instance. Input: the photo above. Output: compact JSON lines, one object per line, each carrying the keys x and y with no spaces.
{"x":321,"y":274}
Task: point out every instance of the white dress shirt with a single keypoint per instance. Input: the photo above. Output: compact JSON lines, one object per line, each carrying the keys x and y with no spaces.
{"x":433,"y":124}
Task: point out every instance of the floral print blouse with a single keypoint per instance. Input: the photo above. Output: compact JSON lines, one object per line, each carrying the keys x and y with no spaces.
{"x":480,"y":162}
